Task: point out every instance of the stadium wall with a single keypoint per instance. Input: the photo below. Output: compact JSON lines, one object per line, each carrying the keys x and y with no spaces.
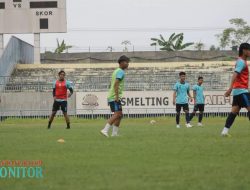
{"x":144,"y":56}
{"x":95,"y":103}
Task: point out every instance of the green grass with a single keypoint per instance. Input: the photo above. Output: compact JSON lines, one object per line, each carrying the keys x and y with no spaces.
{"x":145,"y":156}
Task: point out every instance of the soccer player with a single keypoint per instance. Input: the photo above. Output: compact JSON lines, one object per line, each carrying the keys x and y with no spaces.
{"x":199,"y":100}
{"x":114,"y":97}
{"x":60,"y":90}
{"x":180,"y":99}
{"x":239,"y":88}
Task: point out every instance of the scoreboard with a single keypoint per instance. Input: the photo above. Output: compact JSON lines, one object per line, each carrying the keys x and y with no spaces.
{"x":32,"y":16}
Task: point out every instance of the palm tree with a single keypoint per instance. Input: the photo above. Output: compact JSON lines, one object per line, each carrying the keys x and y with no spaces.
{"x":174,"y":43}
{"x":126,"y":43}
{"x":62,"y":47}
{"x":199,"y":46}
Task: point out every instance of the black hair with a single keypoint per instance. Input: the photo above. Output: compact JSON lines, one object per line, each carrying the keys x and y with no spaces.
{"x":200,"y":77}
{"x":123,"y":58}
{"x":182,"y":73}
{"x":61,"y":72}
{"x":243,"y":46}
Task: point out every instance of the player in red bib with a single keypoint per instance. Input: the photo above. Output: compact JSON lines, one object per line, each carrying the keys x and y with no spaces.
{"x":239,"y":87}
{"x":60,"y":91}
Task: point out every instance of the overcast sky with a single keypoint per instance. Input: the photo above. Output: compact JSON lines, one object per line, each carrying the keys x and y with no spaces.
{"x":90,"y":22}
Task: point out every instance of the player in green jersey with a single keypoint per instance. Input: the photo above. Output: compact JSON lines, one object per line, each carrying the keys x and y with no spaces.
{"x":114,"y":97}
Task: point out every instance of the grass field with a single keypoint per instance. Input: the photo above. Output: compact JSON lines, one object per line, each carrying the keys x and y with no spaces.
{"x":144,"y":157}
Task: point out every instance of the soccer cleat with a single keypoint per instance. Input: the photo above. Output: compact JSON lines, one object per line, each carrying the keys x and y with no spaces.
{"x":104,"y":133}
{"x":49,"y":125}
{"x":68,"y":126}
{"x":226,"y":135}
{"x":200,"y":125}
{"x":188,"y":125}
{"x":115,"y":135}
{"x":178,"y":126}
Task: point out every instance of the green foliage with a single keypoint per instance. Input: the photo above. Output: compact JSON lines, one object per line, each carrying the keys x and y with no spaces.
{"x":61,"y":47}
{"x":235,"y":35}
{"x":174,"y":43}
{"x":199,"y":46}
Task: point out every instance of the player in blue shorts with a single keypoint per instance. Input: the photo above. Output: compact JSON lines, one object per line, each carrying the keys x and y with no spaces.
{"x":199,"y":100}
{"x":180,"y":99}
{"x":239,"y":88}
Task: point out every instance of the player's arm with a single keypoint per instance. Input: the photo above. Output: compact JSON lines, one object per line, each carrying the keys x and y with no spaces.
{"x":116,"y":87}
{"x":175,"y":88}
{"x":174,"y":97}
{"x":70,"y":88}
{"x":189,"y":95}
{"x":228,"y":92}
{"x":194,"y":95}
{"x":54,"y":90}
{"x":238,"y":69}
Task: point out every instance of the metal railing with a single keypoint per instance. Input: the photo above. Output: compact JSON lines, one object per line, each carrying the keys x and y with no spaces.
{"x":97,"y":114}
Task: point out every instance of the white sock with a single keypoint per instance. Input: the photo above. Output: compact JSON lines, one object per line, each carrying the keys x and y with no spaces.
{"x":115,"y":130}
{"x":225,"y":130}
{"x":107,"y":127}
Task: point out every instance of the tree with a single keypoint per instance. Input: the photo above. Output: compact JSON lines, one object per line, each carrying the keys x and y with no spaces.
{"x":213,"y":48}
{"x":110,"y":48}
{"x":199,"y":46}
{"x":126,"y":43}
{"x":174,"y":43}
{"x":62,"y":47}
{"x":235,"y":35}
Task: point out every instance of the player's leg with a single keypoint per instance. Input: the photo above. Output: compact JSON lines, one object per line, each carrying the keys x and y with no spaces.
{"x":246,"y":98}
{"x":117,"y":114}
{"x":178,"y":115}
{"x":193,"y":113}
{"x":64,"y":108}
{"x":230,"y":120}
{"x":116,"y":124}
{"x":201,"y":112}
{"x":238,"y":103}
{"x":186,"y":110}
{"x":53,"y":114}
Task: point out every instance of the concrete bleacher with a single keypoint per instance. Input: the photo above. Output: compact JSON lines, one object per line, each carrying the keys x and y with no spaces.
{"x":147,"y":78}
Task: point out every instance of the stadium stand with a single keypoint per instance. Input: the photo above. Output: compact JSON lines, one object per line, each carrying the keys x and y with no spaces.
{"x":98,"y":79}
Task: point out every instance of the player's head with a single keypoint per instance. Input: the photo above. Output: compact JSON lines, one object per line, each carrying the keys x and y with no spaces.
{"x":61,"y":75}
{"x":200,"y":80}
{"x":123,"y":62}
{"x":244,"y":50}
{"x":182,"y":76}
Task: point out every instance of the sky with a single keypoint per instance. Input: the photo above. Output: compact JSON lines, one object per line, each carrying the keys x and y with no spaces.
{"x":101,"y":23}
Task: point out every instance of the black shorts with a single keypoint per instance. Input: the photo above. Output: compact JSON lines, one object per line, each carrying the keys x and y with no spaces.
{"x":60,"y":105}
{"x":184,"y":106}
{"x":199,"y":107}
{"x":242,"y":100}
{"x":115,"y":106}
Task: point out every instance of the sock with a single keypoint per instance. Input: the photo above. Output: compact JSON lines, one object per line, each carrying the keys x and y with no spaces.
{"x":187,"y":117}
{"x":68,"y":125}
{"x":49,"y":125}
{"x":191,"y":116}
{"x":115,"y":130}
{"x":200,"y":117}
{"x":107,"y":127}
{"x":230,"y":119}
{"x":248,"y":115}
{"x":225,"y":130}
{"x":178,"y":118}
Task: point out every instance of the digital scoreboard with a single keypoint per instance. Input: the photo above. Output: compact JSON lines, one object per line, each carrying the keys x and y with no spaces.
{"x":32,"y":16}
